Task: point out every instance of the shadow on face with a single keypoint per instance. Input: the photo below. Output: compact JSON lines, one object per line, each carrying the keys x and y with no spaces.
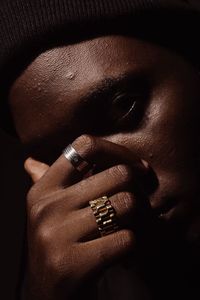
{"x":122,"y":89}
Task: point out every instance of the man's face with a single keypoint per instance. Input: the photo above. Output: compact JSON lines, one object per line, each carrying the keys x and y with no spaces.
{"x":121,"y":89}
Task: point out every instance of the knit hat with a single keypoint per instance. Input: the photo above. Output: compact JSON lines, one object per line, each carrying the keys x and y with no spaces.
{"x":28,"y":27}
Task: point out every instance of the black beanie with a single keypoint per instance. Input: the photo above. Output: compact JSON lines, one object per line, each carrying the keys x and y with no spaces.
{"x":27,"y":27}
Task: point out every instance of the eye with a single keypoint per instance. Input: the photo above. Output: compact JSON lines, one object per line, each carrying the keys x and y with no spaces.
{"x":122,"y":105}
{"x":126,"y":109}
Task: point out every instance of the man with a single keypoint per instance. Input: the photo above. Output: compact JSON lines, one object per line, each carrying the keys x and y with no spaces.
{"x":111,"y":217}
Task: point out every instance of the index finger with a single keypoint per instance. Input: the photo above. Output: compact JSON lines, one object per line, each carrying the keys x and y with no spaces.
{"x":102,"y":153}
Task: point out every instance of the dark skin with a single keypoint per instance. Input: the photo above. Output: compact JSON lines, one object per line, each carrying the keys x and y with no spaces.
{"x":55,"y":102}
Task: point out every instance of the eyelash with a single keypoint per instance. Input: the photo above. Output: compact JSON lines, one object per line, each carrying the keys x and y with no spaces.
{"x":130,"y":110}
{"x":130,"y":107}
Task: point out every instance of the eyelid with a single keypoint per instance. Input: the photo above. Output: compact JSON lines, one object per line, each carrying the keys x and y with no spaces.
{"x":100,"y":103}
{"x":131,"y":96}
{"x":131,"y":118}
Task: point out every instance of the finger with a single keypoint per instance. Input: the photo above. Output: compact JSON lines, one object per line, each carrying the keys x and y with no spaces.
{"x":106,"y":250}
{"x":106,"y":183}
{"x":35,"y":169}
{"x":96,"y":151}
{"x":124,"y":207}
{"x":107,"y":154}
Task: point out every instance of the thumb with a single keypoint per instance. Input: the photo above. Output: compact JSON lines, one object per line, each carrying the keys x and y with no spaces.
{"x":35,"y":169}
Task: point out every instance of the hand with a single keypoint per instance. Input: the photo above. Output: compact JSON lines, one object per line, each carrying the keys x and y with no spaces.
{"x":64,"y":245}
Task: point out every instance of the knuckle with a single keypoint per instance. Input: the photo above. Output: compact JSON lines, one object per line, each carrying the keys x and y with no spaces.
{"x":41,"y":211}
{"x":126,"y":240}
{"x":36,"y":211}
{"x":122,"y":173}
{"x":86,"y":143}
{"x":126,"y":200}
{"x":44,"y":234}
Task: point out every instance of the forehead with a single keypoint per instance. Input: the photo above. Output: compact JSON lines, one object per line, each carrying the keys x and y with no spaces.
{"x":46,"y":95}
{"x":98,"y":58}
{"x":72,"y":70}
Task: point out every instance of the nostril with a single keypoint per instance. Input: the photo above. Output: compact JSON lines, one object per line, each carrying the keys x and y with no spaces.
{"x":165,"y":206}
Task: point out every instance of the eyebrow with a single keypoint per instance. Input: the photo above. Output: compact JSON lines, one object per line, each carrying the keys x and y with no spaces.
{"x":110,"y":84}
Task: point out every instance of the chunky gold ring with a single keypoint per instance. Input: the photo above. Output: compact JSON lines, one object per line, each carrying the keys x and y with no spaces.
{"x":105,"y":215}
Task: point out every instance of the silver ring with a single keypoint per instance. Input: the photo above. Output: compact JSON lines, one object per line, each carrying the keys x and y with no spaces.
{"x":76,"y":160}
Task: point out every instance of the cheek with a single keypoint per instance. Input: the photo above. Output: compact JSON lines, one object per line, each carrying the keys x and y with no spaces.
{"x":169,"y":140}
{"x":173,"y":129}
{"x":172,"y":139}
